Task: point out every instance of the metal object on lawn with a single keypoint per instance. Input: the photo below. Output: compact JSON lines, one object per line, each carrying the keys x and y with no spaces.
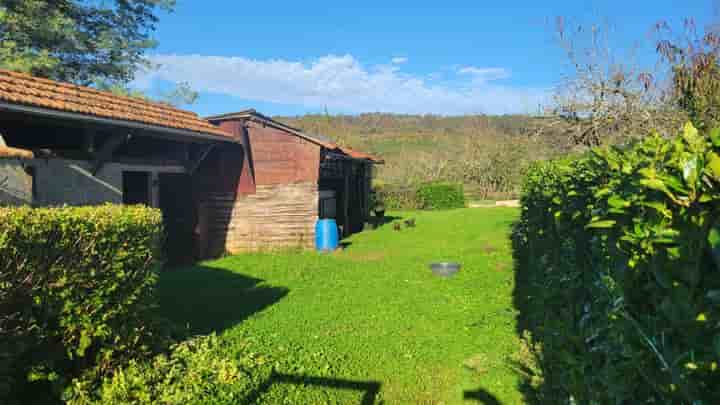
{"x":445,"y":269}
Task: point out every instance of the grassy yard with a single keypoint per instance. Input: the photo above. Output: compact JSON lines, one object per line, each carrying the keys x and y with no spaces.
{"x":370,"y":322}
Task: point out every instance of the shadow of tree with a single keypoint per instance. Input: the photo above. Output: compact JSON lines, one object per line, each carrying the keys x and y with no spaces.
{"x":482,"y":396}
{"x":524,"y":293}
{"x":205,"y":299}
{"x":370,"y":388}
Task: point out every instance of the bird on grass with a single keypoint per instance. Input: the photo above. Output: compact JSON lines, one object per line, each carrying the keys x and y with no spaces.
{"x":410,"y":223}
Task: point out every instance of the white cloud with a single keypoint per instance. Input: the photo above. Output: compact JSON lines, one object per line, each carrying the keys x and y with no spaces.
{"x":399,"y":60}
{"x":484,"y":74}
{"x":342,"y":83}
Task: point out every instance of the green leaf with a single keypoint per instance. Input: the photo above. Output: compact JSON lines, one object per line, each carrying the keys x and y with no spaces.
{"x":655,"y":184}
{"x":618,"y":202}
{"x":712,"y":165}
{"x":715,"y":137}
{"x":659,"y":207}
{"x":690,"y":170}
{"x":673,"y":182}
{"x":692,"y":137}
{"x":689,"y":131}
{"x":605,"y":223}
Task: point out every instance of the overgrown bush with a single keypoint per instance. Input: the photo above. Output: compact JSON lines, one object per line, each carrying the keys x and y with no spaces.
{"x":196,"y":371}
{"x":75,"y":287}
{"x":437,"y":196}
{"x":395,"y":197}
{"x":616,"y":251}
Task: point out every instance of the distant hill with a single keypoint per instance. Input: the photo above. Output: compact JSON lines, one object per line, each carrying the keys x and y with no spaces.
{"x":432,"y":147}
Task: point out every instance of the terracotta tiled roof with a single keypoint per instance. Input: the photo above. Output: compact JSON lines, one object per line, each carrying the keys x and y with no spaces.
{"x":360,"y":155}
{"x":18,"y":88}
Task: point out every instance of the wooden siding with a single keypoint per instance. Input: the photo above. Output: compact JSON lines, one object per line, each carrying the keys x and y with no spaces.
{"x":245,"y":183}
{"x":275,"y":217}
{"x":282,"y":158}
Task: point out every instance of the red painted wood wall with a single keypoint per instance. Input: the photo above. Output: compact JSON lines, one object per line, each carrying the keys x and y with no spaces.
{"x":229,"y":160}
{"x":282,"y":158}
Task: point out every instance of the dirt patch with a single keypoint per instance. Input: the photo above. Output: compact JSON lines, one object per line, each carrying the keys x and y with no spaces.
{"x":488,"y":249}
{"x":501,"y":266}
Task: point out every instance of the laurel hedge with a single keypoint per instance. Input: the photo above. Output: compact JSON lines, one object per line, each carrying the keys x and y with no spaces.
{"x":440,"y":196}
{"x":621,"y":251}
{"x":75,"y":288}
{"x":425,"y":196}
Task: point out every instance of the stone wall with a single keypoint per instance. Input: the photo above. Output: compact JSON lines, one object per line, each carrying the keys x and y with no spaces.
{"x":61,"y":181}
{"x":71,"y":182}
{"x":15,"y":183}
{"x":275,"y":217}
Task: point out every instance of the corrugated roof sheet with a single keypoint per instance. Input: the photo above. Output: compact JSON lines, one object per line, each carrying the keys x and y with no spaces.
{"x":19,"y":88}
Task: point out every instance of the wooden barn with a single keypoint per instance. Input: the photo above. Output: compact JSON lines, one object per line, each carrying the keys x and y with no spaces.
{"x":232,"y":183}
{"x":294,"y":178}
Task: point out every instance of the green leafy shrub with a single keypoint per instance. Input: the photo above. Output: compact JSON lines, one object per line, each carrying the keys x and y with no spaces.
{"x":75,"y":287}
{"x":396,"y":198}
{"x":192,"y":372}
{"x":615,"y":250}
{"x":436,"y":196}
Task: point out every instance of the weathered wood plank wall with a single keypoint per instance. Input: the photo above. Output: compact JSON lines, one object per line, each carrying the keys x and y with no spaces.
{"x":275,"y":217}
{"x":282,"y":210}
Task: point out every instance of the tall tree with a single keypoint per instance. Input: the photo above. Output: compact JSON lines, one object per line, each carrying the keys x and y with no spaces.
{"x":694,"y":56}
{"x":80,"y":41}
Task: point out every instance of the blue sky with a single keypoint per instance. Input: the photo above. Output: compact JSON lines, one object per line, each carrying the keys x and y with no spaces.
{"x":452,"y":57}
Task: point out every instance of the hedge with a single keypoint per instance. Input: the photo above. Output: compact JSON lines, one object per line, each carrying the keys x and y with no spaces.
{"x":616,"y":277}
{"x":395,"y":198}
{"x":439,"y":196}
{"x":426,"y":196}
{"x":75,"y":288}
{"x":204,"y":369}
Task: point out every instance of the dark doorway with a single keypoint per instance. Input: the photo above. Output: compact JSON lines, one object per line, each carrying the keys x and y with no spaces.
{"x":136,"y":188}
{"x":179,"y":217}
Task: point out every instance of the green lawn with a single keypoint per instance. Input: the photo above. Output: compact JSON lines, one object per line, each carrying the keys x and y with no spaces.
{"x":338,"y":327}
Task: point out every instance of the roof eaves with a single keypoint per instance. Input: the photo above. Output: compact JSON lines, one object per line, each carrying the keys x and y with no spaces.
{"x":265,"y":120}
{"x":47,"y":112}
{"x":252,"y":114}
{"x":27,"y":90}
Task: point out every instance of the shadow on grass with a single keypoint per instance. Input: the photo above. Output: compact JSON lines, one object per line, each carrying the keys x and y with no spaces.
{"x":529,"y":319}
{"x":205,"y":299}
{"x":379,"y":222}
{"x":370,"y":388}
{"x":481,"y":396}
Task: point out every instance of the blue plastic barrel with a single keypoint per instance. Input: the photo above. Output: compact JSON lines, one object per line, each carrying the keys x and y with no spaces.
{"x":326,"y":235}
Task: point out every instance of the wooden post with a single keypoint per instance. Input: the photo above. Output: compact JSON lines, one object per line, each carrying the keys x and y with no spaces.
{"x":367,"y":187}
{"x":88,"y":135}
{"x":154,"y":188}
{"x":347,"y":171}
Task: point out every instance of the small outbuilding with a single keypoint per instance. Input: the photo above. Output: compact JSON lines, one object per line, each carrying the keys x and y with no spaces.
{"x":229,"y":183}
{"x":295,"y":178}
